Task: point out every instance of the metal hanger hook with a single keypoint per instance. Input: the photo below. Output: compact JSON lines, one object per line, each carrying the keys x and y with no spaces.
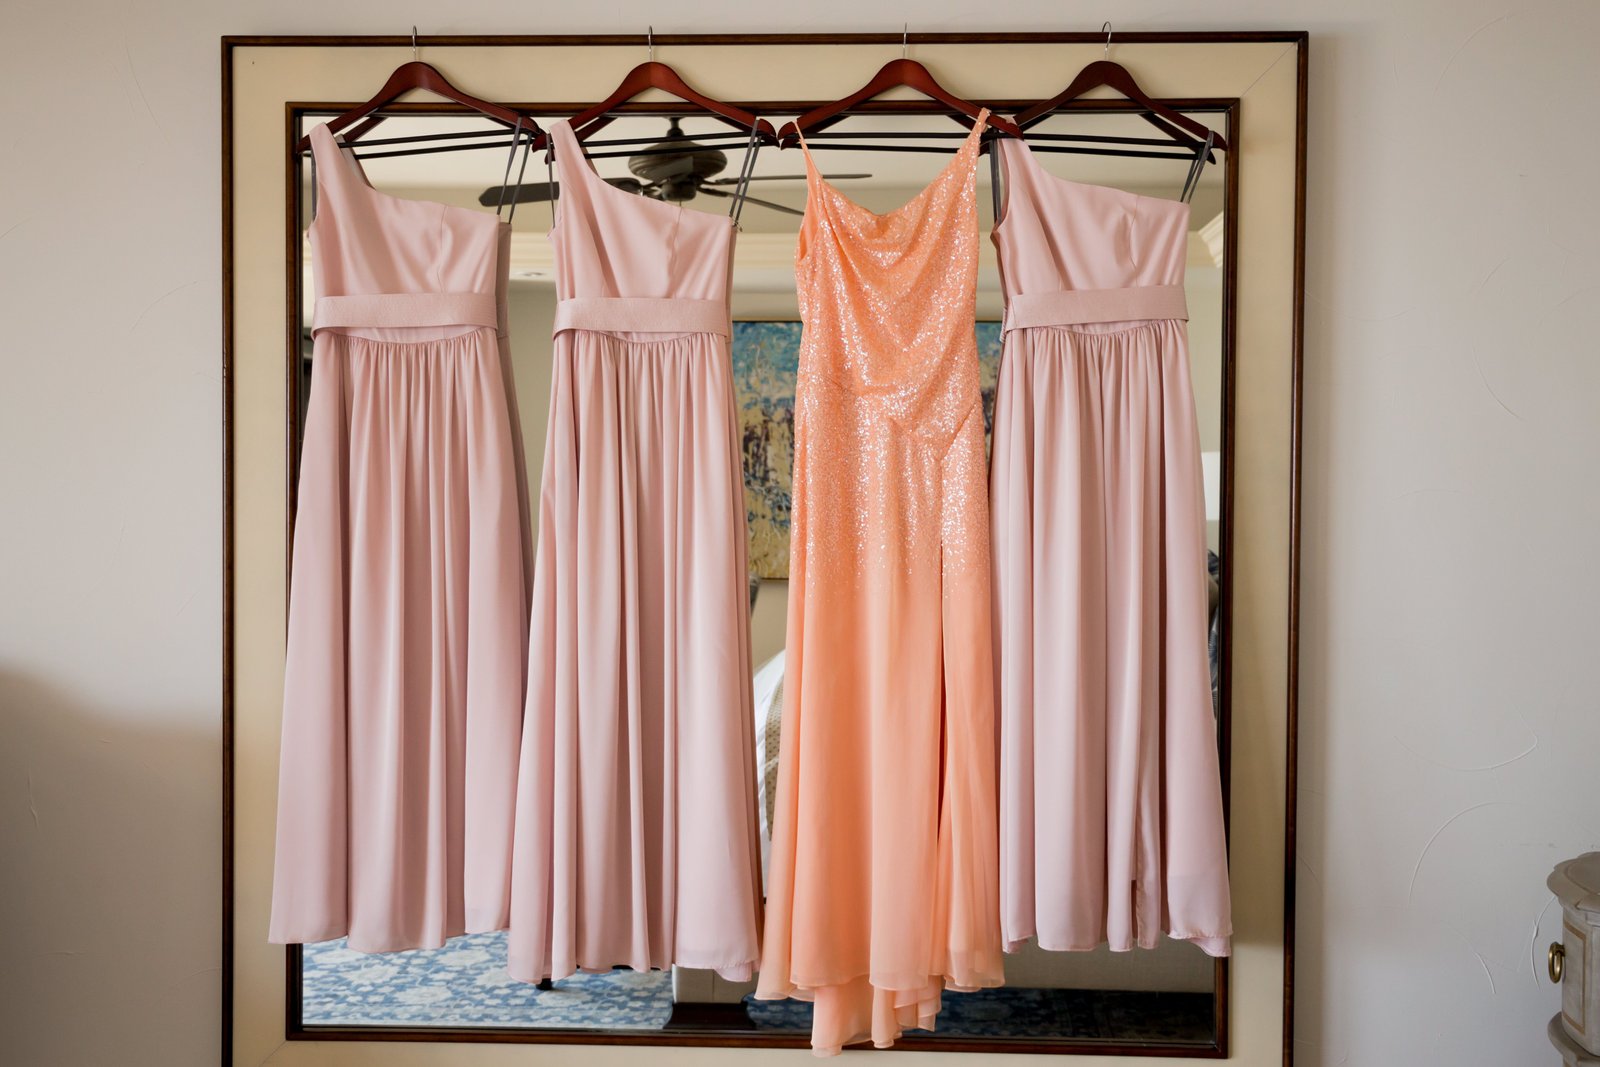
{"x":1106,"y":28}
{"x":905,"y":39}
{"x":650,"y":42}
{"x":413,"y":44}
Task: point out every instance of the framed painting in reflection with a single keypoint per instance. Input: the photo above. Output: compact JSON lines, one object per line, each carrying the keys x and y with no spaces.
{"x":766,"y":358}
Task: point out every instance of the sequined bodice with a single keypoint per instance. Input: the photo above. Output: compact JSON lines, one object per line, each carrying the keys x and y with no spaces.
{"x":888,"y":301}
{"x":888,"y":408}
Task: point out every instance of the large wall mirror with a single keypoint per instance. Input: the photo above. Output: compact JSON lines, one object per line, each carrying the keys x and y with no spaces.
{"x":1243,"y":298}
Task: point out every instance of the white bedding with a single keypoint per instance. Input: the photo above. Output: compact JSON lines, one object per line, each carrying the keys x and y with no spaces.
{"x":768,"y":686}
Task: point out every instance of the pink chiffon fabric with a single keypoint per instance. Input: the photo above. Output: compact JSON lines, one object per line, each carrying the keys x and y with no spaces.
{"x":411,"y":577}
{"x":1111,"y":824}
{"x":636,"y":834}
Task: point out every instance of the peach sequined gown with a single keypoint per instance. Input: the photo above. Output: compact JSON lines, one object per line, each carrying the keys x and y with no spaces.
{"x":883,"y":886}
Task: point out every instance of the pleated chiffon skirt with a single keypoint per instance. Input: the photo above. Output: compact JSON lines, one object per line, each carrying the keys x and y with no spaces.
{"x":1110,"y":810}
{"x":636,"y":836}
{"x":406,"y":646}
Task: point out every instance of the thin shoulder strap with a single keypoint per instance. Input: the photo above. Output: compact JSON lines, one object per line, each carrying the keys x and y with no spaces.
{"x":741,"y":188}
{"x":805,"y":150}
{"x":527,"y":150}
{"x":516,"y":136}
{"x":994,"y":177}
{"x":971,"y":146}
{"x":550,"y":177}
{"x":973,"y":143}
{"x":1007,"y":170}
{"x":1192,"y":182}
{"x":980,"y":124}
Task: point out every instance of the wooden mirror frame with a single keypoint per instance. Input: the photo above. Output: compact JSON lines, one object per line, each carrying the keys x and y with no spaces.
{"x":1257,"y":79}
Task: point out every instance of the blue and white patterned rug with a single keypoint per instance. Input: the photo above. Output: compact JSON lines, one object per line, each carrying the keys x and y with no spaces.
{"x":465,"y":984}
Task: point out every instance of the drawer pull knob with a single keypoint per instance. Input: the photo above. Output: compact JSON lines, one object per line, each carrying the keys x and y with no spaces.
{"x":1557,"y":961}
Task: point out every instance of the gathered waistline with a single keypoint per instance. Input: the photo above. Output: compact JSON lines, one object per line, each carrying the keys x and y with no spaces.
{"x":1069,"y":307}
{"x":643,"y":314}
{"x":406,"y":309}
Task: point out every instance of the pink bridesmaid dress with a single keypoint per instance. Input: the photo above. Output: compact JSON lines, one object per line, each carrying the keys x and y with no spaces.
{"x":636,"y":835}
{"x":408,"y":599}
{"x":1110,"y":803}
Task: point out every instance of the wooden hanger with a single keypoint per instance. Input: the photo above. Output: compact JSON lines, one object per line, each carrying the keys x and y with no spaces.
{"x":419,"y":75}
{"x":894,"y":74}
{"x":653,"y":75}
{"x":903,"y":72}
{"x":1103,"y":72}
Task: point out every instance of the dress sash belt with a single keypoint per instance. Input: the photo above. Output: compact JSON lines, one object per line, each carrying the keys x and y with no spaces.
{"x":1066,"y":307}
{"x":407,"y":309}
{"x":644,"y":314}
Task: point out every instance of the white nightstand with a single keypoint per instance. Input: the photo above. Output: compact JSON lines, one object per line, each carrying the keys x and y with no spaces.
{"x":1574,"y":961}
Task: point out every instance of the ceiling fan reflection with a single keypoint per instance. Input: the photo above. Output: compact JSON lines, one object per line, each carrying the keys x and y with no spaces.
{"x":676,"y":169}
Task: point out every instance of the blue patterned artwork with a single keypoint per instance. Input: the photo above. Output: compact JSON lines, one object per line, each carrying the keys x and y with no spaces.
{"x":766,"y":359}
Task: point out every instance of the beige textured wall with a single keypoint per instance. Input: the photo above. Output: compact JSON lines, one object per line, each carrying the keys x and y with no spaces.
{"x":1449,"y":724}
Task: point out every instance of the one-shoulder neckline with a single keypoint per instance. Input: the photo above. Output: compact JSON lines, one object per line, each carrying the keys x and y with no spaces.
{"x":999,"y":227}
{"x":353,"y":167}
{"x":1033,"y":162}
{"x":598,"y":179}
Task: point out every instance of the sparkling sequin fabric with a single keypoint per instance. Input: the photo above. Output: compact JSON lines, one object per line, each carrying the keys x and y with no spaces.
{"x":884,"y":871}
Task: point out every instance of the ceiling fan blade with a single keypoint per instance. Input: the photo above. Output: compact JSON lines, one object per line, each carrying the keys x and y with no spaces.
{"x":531,"y":193}
{"x":753,"y":200}
{"x":782,"y":178}
{"x":539,"y":192}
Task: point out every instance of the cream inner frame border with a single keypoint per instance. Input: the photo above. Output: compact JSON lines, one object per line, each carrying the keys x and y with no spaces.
{"x":1267,"y":78}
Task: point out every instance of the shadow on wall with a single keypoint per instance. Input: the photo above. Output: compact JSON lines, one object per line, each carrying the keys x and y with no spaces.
{"x":110,"y":931}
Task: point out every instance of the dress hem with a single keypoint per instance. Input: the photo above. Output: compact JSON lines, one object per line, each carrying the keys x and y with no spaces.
{"x":418,"y":944}
{"x":743,"y":971}
{"x":1218,"y":946}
